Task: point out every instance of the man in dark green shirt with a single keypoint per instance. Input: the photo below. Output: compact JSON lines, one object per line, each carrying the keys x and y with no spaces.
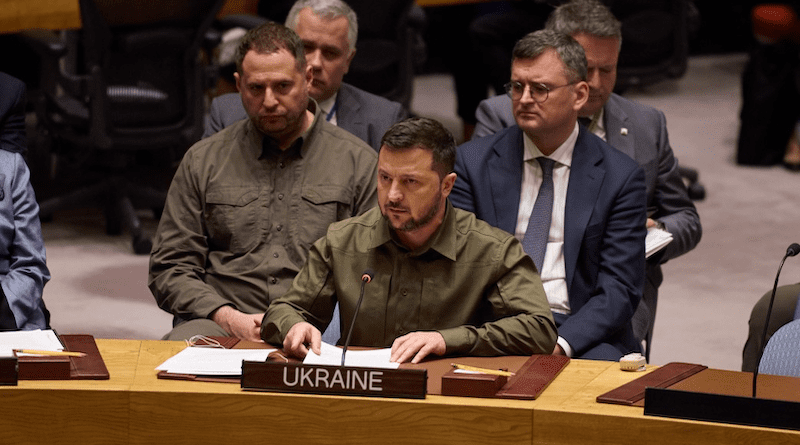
{"x":444,"y":282}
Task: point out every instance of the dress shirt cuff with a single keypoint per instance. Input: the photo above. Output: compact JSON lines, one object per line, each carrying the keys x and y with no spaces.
{"x":565,"y":346}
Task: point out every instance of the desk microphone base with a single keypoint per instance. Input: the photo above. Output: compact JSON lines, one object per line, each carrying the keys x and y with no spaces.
{"x":334,"y":380}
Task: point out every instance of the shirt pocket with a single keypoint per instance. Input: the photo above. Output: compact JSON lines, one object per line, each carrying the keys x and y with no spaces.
{"x":322,"y":205}
{"x":231,"y":218}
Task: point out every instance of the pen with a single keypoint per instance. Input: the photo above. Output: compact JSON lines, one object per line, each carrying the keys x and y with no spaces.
{"x":52,"y":353}
{"x":482,"y":370}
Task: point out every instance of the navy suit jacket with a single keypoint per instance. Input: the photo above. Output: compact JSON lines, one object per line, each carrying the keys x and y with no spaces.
{"x":365,"y":115}
{"x":640,"y":132}
{"x":604,"y":228}
{"x":12,"y":114}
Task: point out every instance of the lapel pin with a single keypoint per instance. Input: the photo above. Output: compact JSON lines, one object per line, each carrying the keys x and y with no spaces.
{"x":623,"y":131}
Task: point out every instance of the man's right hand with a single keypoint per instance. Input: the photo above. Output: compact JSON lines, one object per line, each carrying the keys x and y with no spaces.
{"x":238,"y":324}
{"x":299,"y":337}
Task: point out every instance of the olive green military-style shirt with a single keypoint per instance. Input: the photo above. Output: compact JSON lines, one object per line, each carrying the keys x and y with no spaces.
{"x":471,"y":282}
{"x":241,"y":215}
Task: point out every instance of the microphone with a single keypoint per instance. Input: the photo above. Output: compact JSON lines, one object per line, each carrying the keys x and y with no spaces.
{"x":366,"y":277}
{"x":792,"y":250}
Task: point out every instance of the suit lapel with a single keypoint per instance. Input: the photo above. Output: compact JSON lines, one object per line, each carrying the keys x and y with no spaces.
{"x":505,"y":177}
{"x":585,"y":179}
{"x":617,"y":124}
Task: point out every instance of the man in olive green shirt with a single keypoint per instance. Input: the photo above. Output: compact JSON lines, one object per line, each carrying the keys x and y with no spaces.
{"x":247,"y":203}
{"x":444,"y":282}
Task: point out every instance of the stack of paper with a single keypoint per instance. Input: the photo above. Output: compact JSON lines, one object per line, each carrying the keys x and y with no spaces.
{"x":40,"y":340}
{"x":198,"y":360}
{"x":656,"y":240}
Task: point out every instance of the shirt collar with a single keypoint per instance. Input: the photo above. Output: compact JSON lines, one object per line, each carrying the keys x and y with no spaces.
{"x":562,"y":155}
{"x":327,"y":105}
{"x":268,"y":145}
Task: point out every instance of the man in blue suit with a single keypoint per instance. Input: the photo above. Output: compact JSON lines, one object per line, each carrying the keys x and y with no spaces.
{"x":593,"y":263}
{"x":637,"y":130}
{"x":23,"y":268}
{"x":329,"y":31}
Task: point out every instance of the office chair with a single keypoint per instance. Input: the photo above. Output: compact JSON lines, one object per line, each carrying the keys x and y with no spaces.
{"x":655,"y":40}
{"x":128,"y":87}
{"x":389,"y":48}
{"x":782,"y":353}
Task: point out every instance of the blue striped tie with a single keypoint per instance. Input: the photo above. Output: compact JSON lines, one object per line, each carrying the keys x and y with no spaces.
{"x":535,"y":240}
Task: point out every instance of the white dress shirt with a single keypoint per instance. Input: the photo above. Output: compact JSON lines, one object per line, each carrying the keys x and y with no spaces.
{"x":553,"y":273}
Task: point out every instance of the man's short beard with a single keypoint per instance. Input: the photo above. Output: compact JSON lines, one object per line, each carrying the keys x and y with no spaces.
{"x":414,"y":224}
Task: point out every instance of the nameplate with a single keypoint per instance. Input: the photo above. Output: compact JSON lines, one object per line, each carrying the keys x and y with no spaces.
{"x":334,"y":380}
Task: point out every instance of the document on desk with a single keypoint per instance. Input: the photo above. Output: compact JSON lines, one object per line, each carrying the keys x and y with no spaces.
{"x":39,"y":339}
{"x":656,"y":240}
{"x":332,"y":356}
{"x":196,"y":360}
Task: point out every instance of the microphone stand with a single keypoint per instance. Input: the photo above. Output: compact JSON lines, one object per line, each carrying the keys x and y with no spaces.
{"x":793,"y":250}
{"x":366,"y":277}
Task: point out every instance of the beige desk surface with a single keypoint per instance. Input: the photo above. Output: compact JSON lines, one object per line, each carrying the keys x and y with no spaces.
{"x":135,"y":407}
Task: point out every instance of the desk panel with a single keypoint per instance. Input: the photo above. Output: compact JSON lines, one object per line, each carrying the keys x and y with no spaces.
{"x":16,"y":15}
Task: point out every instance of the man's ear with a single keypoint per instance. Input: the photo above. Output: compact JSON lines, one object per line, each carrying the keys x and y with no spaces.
{"x":447,"y":184}
{"x":309,"y":75}
{"x":238,"y":80}
{"x":581,"y":95}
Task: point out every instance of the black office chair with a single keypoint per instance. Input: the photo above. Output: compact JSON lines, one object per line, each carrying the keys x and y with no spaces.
{"x":655,"y":40}
{"x":126,"y":89}
{"x":390,"y":48}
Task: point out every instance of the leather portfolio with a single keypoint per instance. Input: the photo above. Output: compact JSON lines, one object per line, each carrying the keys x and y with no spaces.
{"x":632,"y":393}
{"x":89,"y":367}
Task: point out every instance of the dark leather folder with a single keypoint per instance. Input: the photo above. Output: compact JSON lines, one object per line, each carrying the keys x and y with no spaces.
{"x":632,"y":393}
{"x":89,"y":367}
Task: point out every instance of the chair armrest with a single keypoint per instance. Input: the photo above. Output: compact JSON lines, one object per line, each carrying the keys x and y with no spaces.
{"x":46,"y":43}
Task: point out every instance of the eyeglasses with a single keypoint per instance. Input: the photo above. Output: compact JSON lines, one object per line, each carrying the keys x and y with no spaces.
{"x":539,"y":92}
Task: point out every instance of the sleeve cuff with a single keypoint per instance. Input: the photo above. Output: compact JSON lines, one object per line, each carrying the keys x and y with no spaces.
{"x":565,"y":346}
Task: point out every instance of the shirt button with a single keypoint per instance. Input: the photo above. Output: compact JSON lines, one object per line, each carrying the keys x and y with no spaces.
{"x":275,"y":254}
{"x":279,"y":228}
{"x":280,"y":196}
{"x":405,"y":292}
{"x":281,"y":165}
{"x":273,"y":280}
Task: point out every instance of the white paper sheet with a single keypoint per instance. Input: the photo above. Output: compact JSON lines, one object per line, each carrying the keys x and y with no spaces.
{"x":39,"y":339}
{"x":212,"y":361}
{"x":332,"y":355}
{"x":656,"y":240}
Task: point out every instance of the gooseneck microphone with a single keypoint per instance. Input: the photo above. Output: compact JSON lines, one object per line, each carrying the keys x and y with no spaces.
{"x":792,"y":250}
{"x":366,"y":277}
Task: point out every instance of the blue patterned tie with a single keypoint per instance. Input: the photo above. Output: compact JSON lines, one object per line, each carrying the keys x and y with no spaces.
{"x":535,"y":240}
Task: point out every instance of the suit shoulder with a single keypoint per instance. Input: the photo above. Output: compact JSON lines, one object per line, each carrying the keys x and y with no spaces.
{"x":345,"y":140}
{"x":369,"y":99}
{"x":639,"y":110}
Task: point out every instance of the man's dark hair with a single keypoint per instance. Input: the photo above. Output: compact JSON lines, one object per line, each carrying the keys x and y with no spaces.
{"x":568,"y":49}
{"x":427,"y":134}
{"x":270,"y":38}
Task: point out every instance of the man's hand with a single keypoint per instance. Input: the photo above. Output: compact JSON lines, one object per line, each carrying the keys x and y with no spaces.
{"x":651,"y":223}
{"x":417,"y":345}
{"x":558,"y":350}
{"x":238,"y":324}
{"x":299,"y":336}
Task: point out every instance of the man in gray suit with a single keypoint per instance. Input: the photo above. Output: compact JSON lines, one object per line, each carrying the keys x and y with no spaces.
{"x":329,"y":30}
{"x":632,"y":128}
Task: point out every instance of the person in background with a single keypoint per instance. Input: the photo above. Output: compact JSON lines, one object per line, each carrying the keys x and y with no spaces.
{"x":328,"y":29}
{"x":23,"y":267}
{"x":444,"y":282}
{"x":577,"y":204}
{"x":637,"y":130}
{"x":247,"y":203}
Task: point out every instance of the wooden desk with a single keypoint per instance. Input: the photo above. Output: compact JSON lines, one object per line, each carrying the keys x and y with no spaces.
{"x":16,"y":15}
{"x":137,"y":408}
